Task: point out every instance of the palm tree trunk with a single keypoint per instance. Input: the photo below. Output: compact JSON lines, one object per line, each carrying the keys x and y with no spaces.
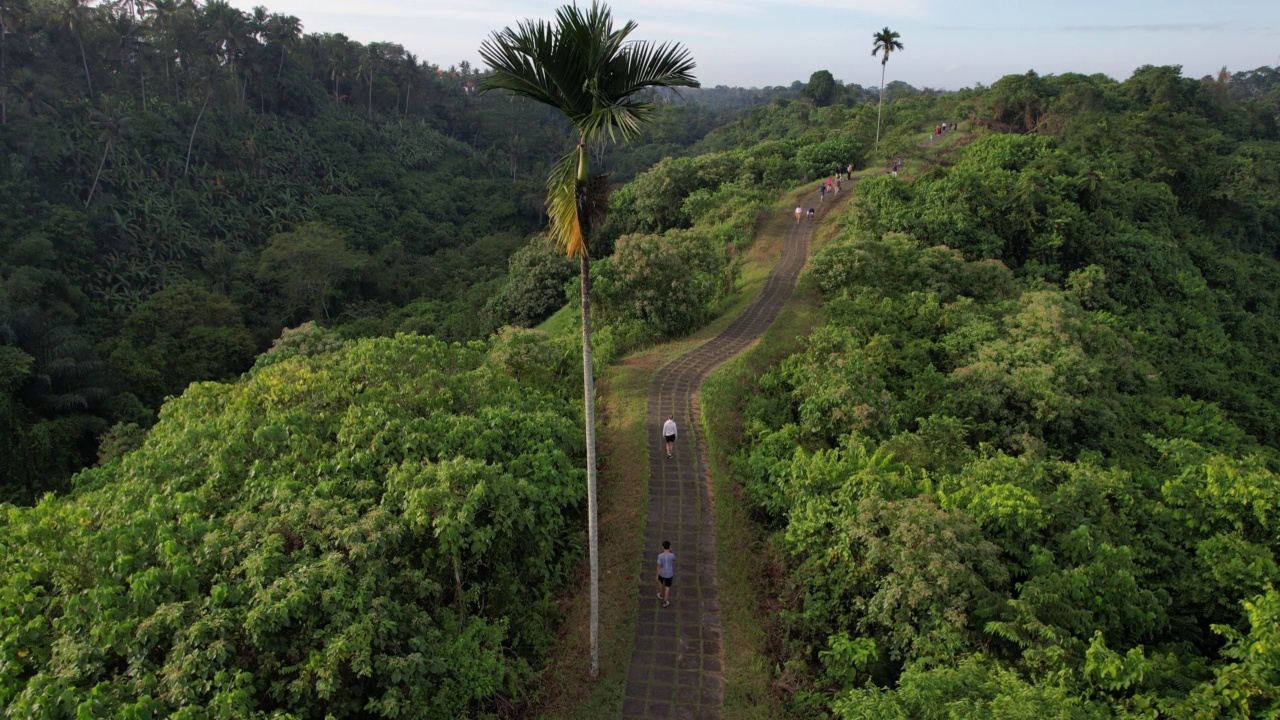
{"x":106,"y":150}
{"x":281,"y":68}
{"x":881,"y":105}
{"x":407,"y":89}
{"x":4,"y":76}
{"x":193,"y":132}
{"x":85,"y":61}
{"x":589,"y":406}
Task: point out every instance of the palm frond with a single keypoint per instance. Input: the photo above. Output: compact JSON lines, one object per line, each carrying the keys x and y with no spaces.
{"x":566,"y":229}
{"x":585,"y":67}
{"x":589,"y":70}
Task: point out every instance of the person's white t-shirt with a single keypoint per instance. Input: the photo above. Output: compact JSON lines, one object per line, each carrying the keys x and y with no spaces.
{"x":669,"y":428}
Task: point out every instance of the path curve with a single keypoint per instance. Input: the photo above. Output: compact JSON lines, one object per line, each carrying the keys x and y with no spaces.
{"x":677,"y":665}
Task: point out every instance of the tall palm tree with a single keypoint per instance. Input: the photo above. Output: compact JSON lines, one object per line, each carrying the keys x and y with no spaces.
{"x":75,"y":16}
{"x":584,"y":67}
{"x":406,"y":72}
{"x":886,"y":41}
{"x":285,"y":30}
{"x":371,"y":59}
{"x":227,"y":33}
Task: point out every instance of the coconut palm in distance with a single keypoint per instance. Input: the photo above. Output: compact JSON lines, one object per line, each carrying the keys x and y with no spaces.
{"x":886,"y":41}
{"x":584,"y":67}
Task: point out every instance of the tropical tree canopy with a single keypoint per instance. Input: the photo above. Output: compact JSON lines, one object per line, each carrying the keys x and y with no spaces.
{"x":588,"y":70}
{"x":886,"y":41}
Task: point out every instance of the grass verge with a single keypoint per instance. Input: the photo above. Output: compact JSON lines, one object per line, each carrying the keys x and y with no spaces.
{"x":742,"y":552}
{"x":741,"y":547}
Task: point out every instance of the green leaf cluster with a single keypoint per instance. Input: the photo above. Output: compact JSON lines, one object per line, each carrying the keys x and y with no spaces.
{"x":374,"y":530}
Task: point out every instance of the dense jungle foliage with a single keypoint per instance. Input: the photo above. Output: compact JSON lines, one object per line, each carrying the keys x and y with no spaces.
{"x":1028,"y":465}
{"x":1026,"y":468}
{"x":355,"y":527}
{"x":181,"y":180}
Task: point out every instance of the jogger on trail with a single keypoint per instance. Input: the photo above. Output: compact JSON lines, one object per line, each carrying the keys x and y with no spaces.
{"x":669,"y":432}
{"x":799,"y":213}
{"x":666,"y":572}
{"x":810,"y":213}
{"x":822,"y":192}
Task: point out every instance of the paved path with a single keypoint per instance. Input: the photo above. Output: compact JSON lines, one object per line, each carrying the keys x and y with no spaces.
{"x":677,"y":666}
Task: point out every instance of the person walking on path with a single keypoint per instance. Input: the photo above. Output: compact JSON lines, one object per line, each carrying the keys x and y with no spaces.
{"x":669,"y":427}
{"x":666,"y":572}
{"x":799,"y":212}
{"x":822,"y":192}
{"x":810,"y":213}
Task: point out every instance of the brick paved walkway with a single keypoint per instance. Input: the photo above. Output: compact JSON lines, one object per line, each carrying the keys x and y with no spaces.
{"x":677,"y":664}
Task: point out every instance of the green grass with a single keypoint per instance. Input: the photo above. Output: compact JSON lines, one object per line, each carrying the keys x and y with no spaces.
{"x":563,"y":321}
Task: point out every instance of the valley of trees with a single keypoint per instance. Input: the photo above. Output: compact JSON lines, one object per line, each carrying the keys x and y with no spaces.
{"x":179,"y":181}
{"x":270,"y":446}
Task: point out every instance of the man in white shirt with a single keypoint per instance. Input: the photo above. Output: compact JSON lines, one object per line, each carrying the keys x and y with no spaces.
{"x":669,"y":434}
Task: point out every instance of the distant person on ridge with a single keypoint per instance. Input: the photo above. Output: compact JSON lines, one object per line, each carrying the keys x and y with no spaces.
{"x":669,"y":427}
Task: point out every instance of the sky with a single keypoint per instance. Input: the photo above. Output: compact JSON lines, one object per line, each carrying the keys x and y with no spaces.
{"x":947,"y":44}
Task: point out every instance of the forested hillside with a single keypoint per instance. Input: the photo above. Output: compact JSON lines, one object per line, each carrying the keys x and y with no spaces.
{"x":179,"y":181}
{"x":356,"y":527}
{"x":1028,"y":465}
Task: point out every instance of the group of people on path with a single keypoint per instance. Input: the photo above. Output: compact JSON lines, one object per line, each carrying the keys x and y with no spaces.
{"x":940,"y":129}
{"x":831,"y":185}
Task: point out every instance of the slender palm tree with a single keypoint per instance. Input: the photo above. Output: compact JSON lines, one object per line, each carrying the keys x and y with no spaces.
{"x":584,"y":67}
{"x":886,"y":41}
{"x":227,"y":33}
{"x":371,"y":59}
{"x":406,"y":72}
{"x":285,"y":30}
{"x":75,"y":17}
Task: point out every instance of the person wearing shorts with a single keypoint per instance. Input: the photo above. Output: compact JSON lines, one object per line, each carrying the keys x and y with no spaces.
{"x":799,"y":212}
{"x":669,"y":428}
{"x":810,"y":213}
{"x":666,"y":572}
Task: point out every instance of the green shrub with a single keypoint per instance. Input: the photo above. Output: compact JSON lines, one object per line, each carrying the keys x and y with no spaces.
{"x":371,"y":531}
